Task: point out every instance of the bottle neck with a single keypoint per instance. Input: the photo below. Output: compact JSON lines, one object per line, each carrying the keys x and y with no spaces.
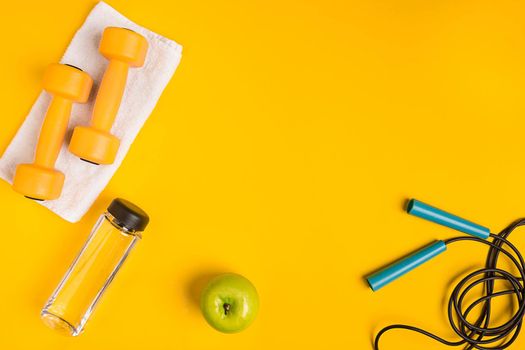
{"x":121,"y":227}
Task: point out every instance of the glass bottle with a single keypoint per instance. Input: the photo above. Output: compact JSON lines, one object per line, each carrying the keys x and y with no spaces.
{"x":113,"y":237}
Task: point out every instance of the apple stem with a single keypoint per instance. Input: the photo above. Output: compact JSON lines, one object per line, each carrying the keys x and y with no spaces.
{"x":227,"y":307}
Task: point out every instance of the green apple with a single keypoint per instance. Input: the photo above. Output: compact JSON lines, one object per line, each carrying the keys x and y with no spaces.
{"x":229,"y":303}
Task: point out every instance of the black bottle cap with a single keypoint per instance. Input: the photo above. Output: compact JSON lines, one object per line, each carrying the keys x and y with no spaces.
{"x":128,"y":215}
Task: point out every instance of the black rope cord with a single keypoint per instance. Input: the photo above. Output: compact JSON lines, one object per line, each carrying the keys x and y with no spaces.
{"x":480,"y":334}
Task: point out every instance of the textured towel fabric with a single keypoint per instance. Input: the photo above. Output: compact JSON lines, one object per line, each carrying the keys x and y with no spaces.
{"x":84,"y":181}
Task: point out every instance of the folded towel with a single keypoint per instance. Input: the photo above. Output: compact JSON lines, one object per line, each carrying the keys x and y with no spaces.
{"x":84,"y":181}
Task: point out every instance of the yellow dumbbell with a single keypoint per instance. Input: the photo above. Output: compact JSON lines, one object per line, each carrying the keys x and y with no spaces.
{"x":41,"y":180}
{"x":123,"y":48}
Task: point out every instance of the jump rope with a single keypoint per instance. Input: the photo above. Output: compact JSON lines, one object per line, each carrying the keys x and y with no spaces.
{"x":477,"y":333}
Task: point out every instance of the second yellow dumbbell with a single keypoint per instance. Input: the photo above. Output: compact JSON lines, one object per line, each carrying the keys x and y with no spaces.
{"x":40,"y":180}
{"x":124,"y":48}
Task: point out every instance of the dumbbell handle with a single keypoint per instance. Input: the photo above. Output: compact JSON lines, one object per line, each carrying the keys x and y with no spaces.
{"x":53,"y":131}
{"x":110,"y":95}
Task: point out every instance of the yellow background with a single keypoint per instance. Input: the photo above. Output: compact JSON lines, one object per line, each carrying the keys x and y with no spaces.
{"x":283,"y":149}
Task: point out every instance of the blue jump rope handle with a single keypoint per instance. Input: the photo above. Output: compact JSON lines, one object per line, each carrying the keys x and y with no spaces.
{"x":425,"y":211}
{"x":401,"y":267}
{"x":441,"y":217}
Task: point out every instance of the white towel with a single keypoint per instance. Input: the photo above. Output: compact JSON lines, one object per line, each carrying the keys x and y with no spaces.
{"x":85,"y":181}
